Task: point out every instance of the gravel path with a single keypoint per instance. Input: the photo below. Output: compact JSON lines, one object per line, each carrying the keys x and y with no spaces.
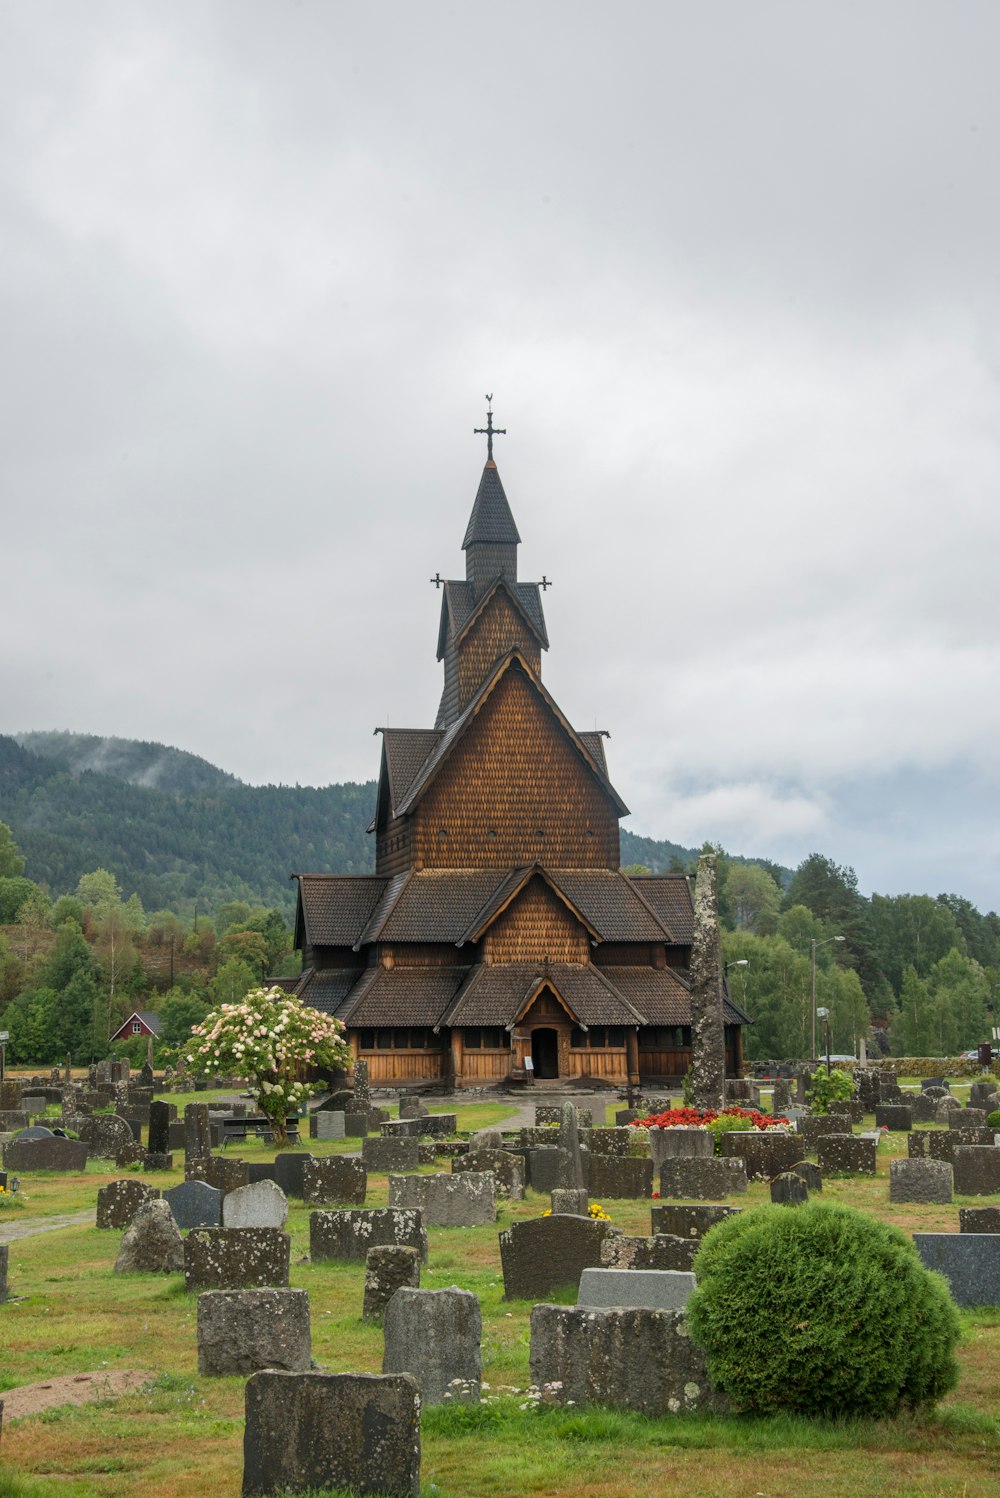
{"x":11,"y":1231}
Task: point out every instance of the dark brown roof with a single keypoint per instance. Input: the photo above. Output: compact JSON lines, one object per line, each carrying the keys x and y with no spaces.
{"x":329,"y":991}
{"x":491,"y":522}
{"x":499,"y":993}
{"x":335,"y":908}
{"x":507,"y":892}
{"x":664,"y":995}
{"x":460,"y":602}
{"x":594,"y":745}
{"x":606,"y":898}
{"x":670,"y":897}
{"x":512,"y":661}
{"x":437,"y":905}
{"x":406,"y":750}
{"x":403,"y":996}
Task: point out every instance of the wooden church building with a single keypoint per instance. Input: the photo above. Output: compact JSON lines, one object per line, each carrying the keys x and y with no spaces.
{"x":498,"y":938}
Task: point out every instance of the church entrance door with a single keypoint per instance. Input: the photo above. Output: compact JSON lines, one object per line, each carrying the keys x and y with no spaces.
{"x":545,"y":1053}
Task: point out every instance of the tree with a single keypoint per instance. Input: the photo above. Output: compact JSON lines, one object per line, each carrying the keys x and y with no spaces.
{"x":247,"y":946}
{"x":11,"y":862}
{"x":754,"y":899}
{"x":916,"y":1030}
{"x":179,"y":1012}
{"x":99,"y":892}
{"x":775,"y":989}
{"x":268,"y":1037}
{"x":14,"y":893}
{"x":960,"y":991}
{"x":233,"y":980}
{"x":800,"y":928}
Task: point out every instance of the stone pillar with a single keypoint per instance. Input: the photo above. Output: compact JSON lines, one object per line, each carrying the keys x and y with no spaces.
{"x":362,"y":1093}
{"x":569,"y":1143}
{"x":708,"y":1044}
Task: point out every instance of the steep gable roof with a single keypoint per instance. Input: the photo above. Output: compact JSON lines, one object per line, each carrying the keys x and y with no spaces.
{"x":491,"y":522}
{"x":611,"y":905}
{"x":451,"y":736}
{"x":333,"y":909}
{"x":670,"y":897}
{"x":500,"y":994}
{"x":506,"y":894}
{"x":459,"y":603}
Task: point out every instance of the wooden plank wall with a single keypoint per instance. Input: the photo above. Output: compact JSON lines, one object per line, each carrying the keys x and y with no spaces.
{"x":386,"y":1067}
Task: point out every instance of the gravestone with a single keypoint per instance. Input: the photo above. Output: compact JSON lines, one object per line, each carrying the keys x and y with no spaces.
{"x":866,"y":1087}
{"x":647,"y":1289}
{"x":810,"y":1130}
{"x":231,"y":1258}
{"x":152,"y":1243}
{"x":945,"y":1108}
{"x":349,"y":1234}
{"x":261,"y":1170}
{"x":197,"y":1136}
{"x":412,"y":1107}
{"x":119,"y":1201}
{"x":51,"y":1153}
{"x":12,"y":1120}
{"x":290,"y":1171}
{"x":627,"y":1359}
{"x":897,"y":1117}
{"x":106,"y":1134}
{"x":3,"y":1289}
{"x":977,"y":1170}
{"x":33,"y":1103}
{"x":620,"y":1179}
{"x":388,"y":1269}
{"x":920,"y":1181}
{"x":551,"y":1113}
{"x":341,"y":1101}
{"x":610,"y":1141}
{"x":435,"y":1335}
{"x":923,"y":1108}
{"x":507,"y":1168}
{"x":305,"y":1432}
{"x":547,"y":1169}
{"x":703,"y":1179}
{"x":222,"y":1171}
{"x":936,"y":1082}
{"x":967,"y":1118}
{"x":689,"y":1221}
{"x":573,"y":1177}
{"x":195,"y":1204}
{"x":400,"y":1128}
{"x":241,"y":1331}
{"x":708,"y":1048}
{"x":448,"y":1201}
{"x":764,"y":1155}
{"x":969,"y":1261}
{"x":789,"y":1189}
{"x":334,"y":1180}
{"x":326,"y":1125}
{"x":810,"y":1173}
{"x":356,"y":1125}
{"x":573,"y":1202}
{"x":362,"y":1092}
{"x":980,"y":1094}
{"x":543,"y":1253}
{"x":979,"y":1219}
{"x":661,"y":1251}
{"x":159,"y":1128}
{"x":841,"y":1154}
{"x":387,"y":1154}
{"x":624,"y":1116}
{"x":782,"y":1098}
{"x":262,"y":1205}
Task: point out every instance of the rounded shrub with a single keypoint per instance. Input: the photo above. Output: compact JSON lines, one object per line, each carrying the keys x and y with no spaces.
{"x":993,"y":1119}
{"x":821,"y":1310}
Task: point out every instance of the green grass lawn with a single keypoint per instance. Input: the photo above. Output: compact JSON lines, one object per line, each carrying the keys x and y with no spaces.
{"x":182,"y":1436}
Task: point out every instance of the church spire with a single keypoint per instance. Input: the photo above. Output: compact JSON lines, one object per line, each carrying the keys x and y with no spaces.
{"x":491,"y":537}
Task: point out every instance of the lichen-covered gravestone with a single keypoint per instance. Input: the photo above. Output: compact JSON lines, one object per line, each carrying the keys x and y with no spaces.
{"x":119,"y":1201}
{"x":152,"y":1243}
{"x":241,"y":1331}
{"x":350,"y":1234}
{"x":708,"y":1047}
{"x":544,"y":1253}
{"x":662,"y":1251}
{"x":231,"y":1258}
{"x":920,"y":1181}
{"x":336,"y":1179}
{"x":262,"y":1205}
{"x":689,"y":1221}
{"x":459,"y":1201}
{"x":388,"y":1268}
{"x":436,"y":1336}
{"x":308,"y":1431}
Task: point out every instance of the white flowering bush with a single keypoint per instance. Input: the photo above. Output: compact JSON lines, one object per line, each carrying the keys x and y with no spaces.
{"x":268,"y":1037}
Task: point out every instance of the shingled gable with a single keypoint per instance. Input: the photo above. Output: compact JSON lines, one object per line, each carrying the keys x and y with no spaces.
{"x":453,"y":735}
{"x":507,"y":894}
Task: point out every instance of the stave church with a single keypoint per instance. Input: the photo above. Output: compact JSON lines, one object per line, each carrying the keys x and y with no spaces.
{"x":498,"y":940}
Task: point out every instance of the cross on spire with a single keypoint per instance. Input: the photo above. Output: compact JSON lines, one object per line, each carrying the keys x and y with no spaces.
{"x":489,"y":431}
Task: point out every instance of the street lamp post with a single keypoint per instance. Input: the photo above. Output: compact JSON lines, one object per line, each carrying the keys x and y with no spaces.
{"x":824,"y":1015}
{"x":814,"y":944}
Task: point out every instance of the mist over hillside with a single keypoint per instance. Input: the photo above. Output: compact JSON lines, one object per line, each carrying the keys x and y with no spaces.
{"x":180,"y":832}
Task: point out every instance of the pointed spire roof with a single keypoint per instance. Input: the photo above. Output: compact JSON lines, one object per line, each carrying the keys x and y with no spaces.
{"x":491,"y":523}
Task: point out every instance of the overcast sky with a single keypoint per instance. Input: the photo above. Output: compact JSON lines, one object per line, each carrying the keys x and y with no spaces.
{"x":731,"y":273}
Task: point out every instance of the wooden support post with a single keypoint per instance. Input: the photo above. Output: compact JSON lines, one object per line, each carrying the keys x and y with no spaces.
{"x":457,"y":1052}
{"x":632,"y":1056}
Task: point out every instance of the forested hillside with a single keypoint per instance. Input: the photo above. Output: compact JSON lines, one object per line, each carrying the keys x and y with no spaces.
{"x":179,"y":832}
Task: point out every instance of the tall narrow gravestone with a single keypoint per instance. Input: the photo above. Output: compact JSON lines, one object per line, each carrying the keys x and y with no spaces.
{"x":708,"y":1046}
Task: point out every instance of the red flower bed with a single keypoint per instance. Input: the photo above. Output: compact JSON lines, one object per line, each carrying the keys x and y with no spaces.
{"x":675,"y":1117}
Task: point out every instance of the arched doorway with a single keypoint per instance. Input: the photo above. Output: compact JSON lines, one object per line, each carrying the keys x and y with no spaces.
{"x":545,"y":1053}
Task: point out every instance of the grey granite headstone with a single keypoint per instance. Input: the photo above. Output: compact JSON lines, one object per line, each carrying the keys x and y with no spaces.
{"x":627,"y":1359}
{"x":648,"y":1289}
{"x":610,"y":1141}
{"x":436,"y":1336}
{"x":197,"y":1138}
{"x":765,"y":1155}
{"x":231,"y":1258}
{"x":977,"y":1170}
{"x":290,"y":1171}
{"x":335,"y":1180}
{"x":506,"y":1167}
{"x":385,"y":1154}
{"x":618,"y":1179}
{"x":262,"y":1205}
{"x":159,"y":1128}
{"x":789,"y":1189}
{"x":703,"y":1179}
{"x":570,"y":1200}
{"x":241,"y":1331}
{"x":448,"y":1201}
{"x":920,"y":1181}
{"x":152,"y":1243}
{"x":3,"y":1285}
{"x":309,"y":1431}
{"x":543,"y":1253}
{"x":388,"y":1269}
{"x":661,"y":1251}
{"x":547,"y":1169}
{"x":969,"y":1261}
{"x":327,"y":1125}
{"x":349,"y":1234}
{"x":356,"y":1125}
{"x":195,"y":1204}
{"x":811,"y":1129}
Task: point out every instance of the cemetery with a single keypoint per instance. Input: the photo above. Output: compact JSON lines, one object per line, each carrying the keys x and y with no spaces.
{"x":470,"y":1313}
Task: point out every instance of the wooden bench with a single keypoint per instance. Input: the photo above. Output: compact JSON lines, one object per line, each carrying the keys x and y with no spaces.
{"x":240,"y":1128}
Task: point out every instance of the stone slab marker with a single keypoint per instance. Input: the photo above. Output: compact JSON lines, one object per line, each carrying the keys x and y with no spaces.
{"x":332,"y":1430}
{"x":152,"y":1243}
{"x":436,"y":1335}
{"x":195,"y":1204}
{"x":569,"y":1143}
{"x":197,"y":1136}
{"x":969,"y":1261}
{"x":119,"y":1201}
{"x":645,"y":1289}
{"x":242,"y":1331}
{"x":387,"y":1269}
{"x":920,"y":1181}
{"x":447,"y":1201}
{"x":708,"y":1045}
{"x":543,"y":1253}
{"x":262,"y":1205}
{"x":662,"y":1251}
{"x":235,"y":1258}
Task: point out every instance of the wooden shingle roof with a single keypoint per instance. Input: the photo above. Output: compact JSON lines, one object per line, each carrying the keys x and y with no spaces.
{"x":334,"y":909}
{"x":611,"y":905}
{"x":491,"y":522}
{"x":670,"y":897}
{"x":460,"y":602}
{"x":402,"y":996}
{"x":497,"y":994}
{"x":328,"y":991}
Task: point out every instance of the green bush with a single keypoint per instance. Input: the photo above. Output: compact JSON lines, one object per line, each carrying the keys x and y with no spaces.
{"x":821,"y":1310}
{"x":829,"y":1087}
{"x":727,"y":1123}
{"x":993,"y":1119}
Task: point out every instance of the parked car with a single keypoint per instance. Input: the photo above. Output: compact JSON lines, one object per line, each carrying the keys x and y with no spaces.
{"x":973,"y":1055}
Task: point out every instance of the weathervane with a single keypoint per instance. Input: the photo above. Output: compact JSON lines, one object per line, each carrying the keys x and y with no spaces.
{"x":489,"y":431}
